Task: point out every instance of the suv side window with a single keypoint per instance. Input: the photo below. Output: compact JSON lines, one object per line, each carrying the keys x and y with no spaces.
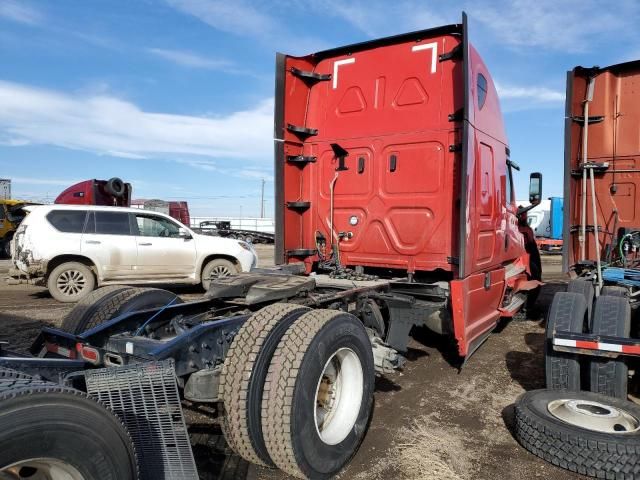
{"x":68,"y":221}
{"x":112,"y":223}
{"x":152,"y":226}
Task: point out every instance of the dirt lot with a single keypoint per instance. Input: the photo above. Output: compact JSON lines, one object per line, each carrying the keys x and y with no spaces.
{"x":430,"y":421}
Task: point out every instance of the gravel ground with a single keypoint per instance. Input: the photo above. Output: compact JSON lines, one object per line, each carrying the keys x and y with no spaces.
{"x":430,"y":421}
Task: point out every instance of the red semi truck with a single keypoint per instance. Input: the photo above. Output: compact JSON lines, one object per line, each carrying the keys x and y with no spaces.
{"x":583,"y":422}
{"x":395,"y":210}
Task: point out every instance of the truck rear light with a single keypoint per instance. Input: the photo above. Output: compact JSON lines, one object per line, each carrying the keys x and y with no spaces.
{"x":59,"y":350}
{"x":88,"y":354}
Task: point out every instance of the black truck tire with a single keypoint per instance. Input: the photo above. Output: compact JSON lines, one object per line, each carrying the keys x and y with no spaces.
{"x":611,"y":317}
{"x":569,"y":445}
{"x":584,"y":287}
{"x":324,"y":352}
{"x":44,"y":426}
{"x":115,"y":187}
{"x":567,"y":312}
{"x":243,"y":375}
{"x":86,"y":307}
{"x":116,"y":303}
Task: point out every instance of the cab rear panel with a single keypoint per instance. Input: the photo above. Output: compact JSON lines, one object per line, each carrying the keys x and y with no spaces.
{"x":426,"y":188}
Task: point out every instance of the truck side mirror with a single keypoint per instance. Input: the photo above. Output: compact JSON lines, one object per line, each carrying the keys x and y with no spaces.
{"x":535,"y":188}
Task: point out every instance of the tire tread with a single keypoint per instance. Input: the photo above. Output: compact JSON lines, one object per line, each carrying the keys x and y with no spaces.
{"x":575,"y":450}
{"x":236,"y":375}
{"x":562,"y":370}
{"x":277,"y":400}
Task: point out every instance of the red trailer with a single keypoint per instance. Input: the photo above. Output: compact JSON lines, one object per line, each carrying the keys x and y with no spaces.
{"x":180,"y":211}
{"x":395,"y":210}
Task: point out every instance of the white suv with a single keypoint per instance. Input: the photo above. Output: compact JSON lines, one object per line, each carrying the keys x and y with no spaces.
{"x":72,"y":249}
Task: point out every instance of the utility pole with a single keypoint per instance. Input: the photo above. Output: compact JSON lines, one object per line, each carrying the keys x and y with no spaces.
{"x":262,"y":200}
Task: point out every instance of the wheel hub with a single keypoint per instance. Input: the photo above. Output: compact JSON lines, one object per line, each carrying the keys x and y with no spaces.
{"x":71,"y":282}
{"x":219,"y":272}
{"x":40,"y":469}
{"x":338,"y":396}
{"x":594,"y":416}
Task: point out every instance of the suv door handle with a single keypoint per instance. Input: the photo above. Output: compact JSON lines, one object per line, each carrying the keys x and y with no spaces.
{"x":145,"y":244}
{"x":93,"y":242}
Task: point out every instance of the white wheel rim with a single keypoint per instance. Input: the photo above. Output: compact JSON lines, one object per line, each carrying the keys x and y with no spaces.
{"x":219,"y":271}
{"x":71,"y":282}
{"x":40,"y":469}
{"x":338,"y":396}
{"x":594,"y":416}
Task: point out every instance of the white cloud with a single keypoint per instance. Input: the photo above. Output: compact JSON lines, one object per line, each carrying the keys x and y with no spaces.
{"x":536,"y":94}
{"x":108,"y":125}
{"x":242,"y":172}
{"x":190,"y":59}
{"x":236,"y":16}
{"x":376,"y":19}
{"x":247,"y":20}
{"x":568,"y":25}
{"x":20,"y":12}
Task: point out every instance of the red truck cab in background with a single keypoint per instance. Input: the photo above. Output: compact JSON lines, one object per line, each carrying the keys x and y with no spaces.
{"x":115,"y":192}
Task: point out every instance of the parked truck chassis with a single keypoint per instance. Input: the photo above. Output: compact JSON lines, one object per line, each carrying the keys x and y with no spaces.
{"x":393,"y":212}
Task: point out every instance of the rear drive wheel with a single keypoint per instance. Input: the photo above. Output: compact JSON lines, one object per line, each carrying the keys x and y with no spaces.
{"x":243,"y":375}
{"x":114,"y":303}
{"x":217,"y":268}
{"x":568,"y":313}
{"x":71,"y":282}
{"x":583,"y":432}
{"x":583,"y":287}
{"x":49,"y":432}
{"x":86,"y":307}
{"x":611,"y":317}
{"x":318,"y":395}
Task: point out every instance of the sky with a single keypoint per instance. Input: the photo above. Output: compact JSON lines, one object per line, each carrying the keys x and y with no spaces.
{"x":176,"y":96}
